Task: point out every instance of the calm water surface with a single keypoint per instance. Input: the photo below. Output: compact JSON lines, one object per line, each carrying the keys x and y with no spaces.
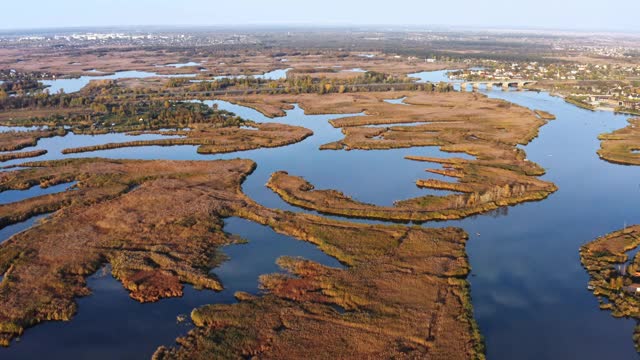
{"x":181,"y":65}
{"x":109,"y":325}
{"x":271,"y":75}
{"x":74,"y":85}
{"x":12,"y":196}
{"x":528,"y":288}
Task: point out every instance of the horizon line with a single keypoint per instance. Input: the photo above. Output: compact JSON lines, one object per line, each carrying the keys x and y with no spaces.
{"x":342,"y":26}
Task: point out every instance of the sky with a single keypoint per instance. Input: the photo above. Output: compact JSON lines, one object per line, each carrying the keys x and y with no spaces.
{"x":618,"y":15}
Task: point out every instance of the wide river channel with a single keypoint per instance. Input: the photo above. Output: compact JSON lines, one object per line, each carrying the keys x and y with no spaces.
{"x":528,"y":287}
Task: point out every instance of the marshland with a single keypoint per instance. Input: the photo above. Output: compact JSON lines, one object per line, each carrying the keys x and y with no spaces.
{"x":417,"y":213}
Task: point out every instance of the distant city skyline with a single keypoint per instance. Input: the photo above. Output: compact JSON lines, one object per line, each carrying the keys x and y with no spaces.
{"x":613,"y":15}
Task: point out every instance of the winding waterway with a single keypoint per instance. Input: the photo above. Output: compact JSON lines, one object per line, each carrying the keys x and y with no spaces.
{"x":76,"y":84}
{"x":528,"y":287}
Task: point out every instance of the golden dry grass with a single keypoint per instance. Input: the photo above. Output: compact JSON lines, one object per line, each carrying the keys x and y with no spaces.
{"x":21,"y":155}
{"x":158,"y":224}
{"x":16,"y":140}
{"x":622,"y":146}
{"x":152,"y":221}
{"x":604,"y":259}
{"x":403,"y":296}
{"x":500,"y":174}
{"x":214,"y":140}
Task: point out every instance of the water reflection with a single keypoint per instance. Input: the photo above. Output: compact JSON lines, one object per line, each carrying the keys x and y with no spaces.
{"x":75,"y":85}
{"x":181,"y":65}
{"x":528,"y":287}
{"x":9,"y":231}
{"x":110,"y":325}
{"x":12,"y":196}
{"x":55,"y":145}
{"x":399,"y":101}
{"x":270,"y":75}
{"x":433,"y":76}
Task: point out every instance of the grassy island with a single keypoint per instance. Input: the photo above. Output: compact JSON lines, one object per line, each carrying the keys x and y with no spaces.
{"x":17,"y":140}
{"x":622,"y":146}
{"x":489,"y":130}
{"x":218,"y":140}
{"x":158,"y":223}
{"x":21,"y":155}
{"x":615,"y":279}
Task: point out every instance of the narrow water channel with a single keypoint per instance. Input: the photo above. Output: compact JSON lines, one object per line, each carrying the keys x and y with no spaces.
{"x":76,"y":84}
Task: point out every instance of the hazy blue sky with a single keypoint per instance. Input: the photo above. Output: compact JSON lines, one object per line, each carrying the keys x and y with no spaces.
{"x":565,"y":14}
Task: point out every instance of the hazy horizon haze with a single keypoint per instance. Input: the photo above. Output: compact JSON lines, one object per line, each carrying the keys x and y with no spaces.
{"x":616,"y":15}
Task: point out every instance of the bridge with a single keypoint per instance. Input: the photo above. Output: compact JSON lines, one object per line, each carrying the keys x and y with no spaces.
{"x":505,"y":84}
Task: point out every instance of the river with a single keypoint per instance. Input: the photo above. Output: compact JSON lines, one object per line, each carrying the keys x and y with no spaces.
{"x":528,"y":287}
{"x":76,"y":84}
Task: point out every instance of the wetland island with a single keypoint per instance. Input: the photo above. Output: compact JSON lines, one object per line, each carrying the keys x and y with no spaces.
{"x":330,"y":193}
